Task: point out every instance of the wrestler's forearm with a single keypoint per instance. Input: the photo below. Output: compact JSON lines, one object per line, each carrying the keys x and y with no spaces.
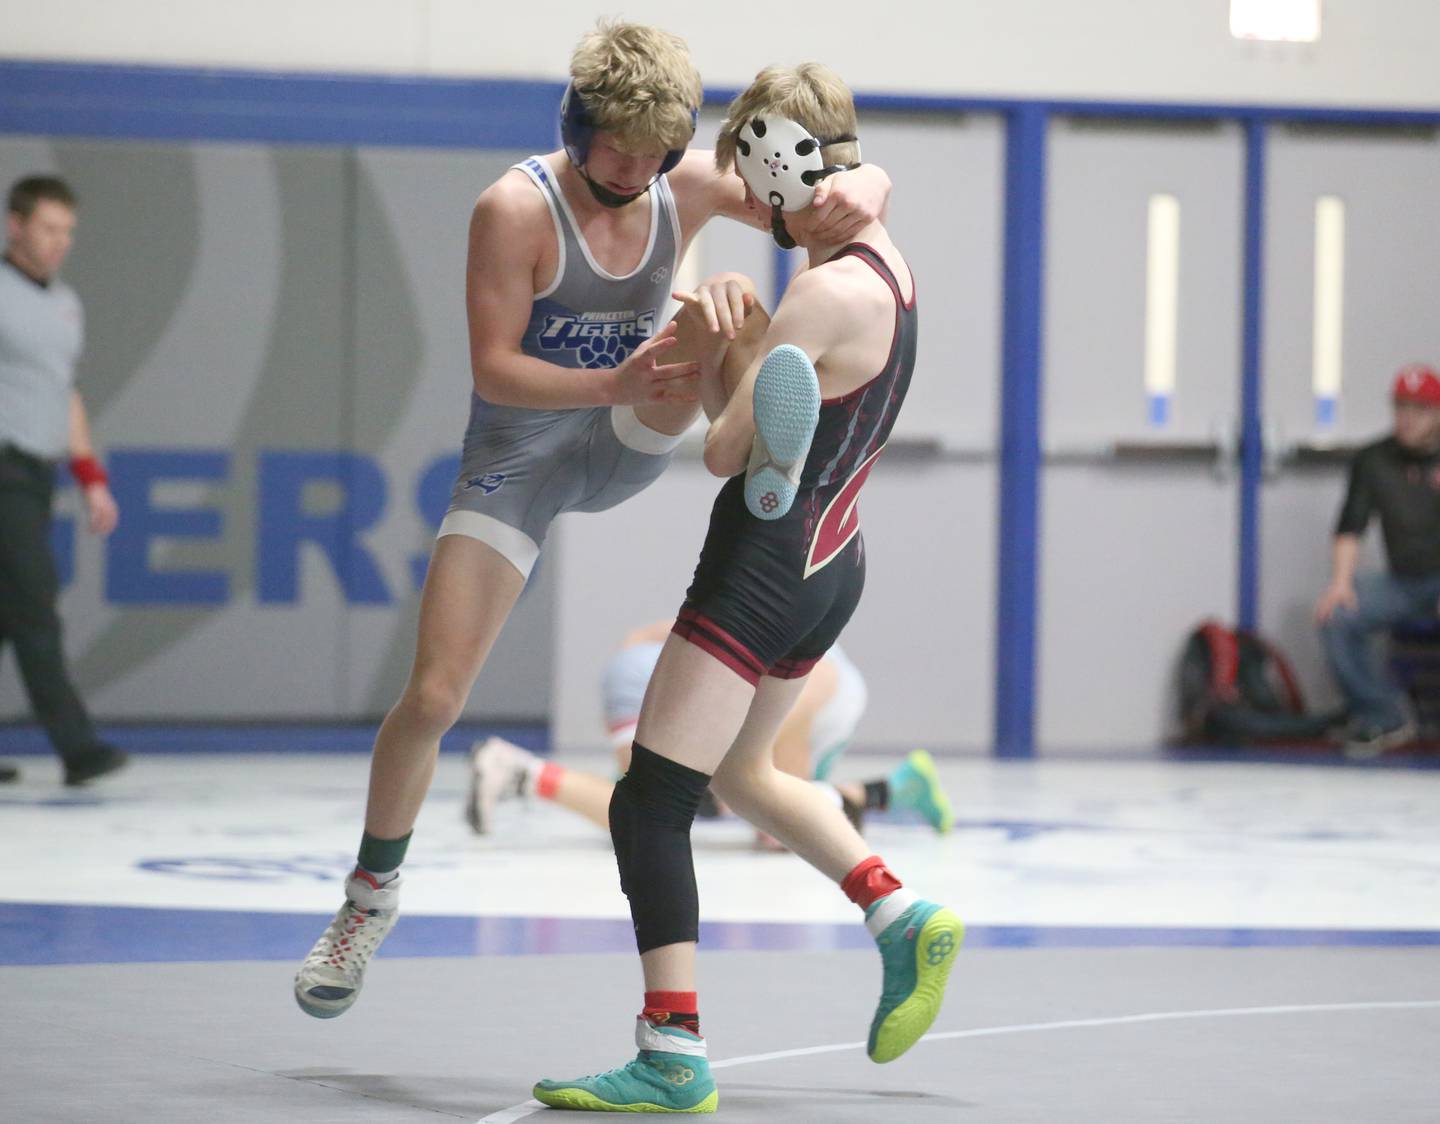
{"x":743,"y":350}
{"x":519,"y":380}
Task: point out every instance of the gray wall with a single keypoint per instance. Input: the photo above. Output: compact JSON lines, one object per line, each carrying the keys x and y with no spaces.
{"x":1133,"y":554}
{"x":924,"y":634}
{"x":1390,"y":183}
{"x":248,"y":303}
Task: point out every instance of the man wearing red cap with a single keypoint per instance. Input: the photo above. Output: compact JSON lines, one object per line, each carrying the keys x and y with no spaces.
{"x":1397,"y":478}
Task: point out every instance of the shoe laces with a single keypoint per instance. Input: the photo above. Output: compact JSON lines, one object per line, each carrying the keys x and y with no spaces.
{"x":349,"y":940}
{"x":628,"y":1067}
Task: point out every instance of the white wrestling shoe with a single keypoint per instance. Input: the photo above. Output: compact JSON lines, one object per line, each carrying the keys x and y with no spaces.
{"x":329,"y":981}
{"x":787,"y":409}
{"x":498,"y":771}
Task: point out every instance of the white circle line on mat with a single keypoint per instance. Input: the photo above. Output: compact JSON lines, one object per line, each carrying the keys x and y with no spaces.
{"x":520,"y":1111}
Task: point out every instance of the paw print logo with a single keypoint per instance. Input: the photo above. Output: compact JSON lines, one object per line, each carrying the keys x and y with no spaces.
{"x":603,"y":353}
{"x":680,"y":1075}
{"x":941,"y":947}
{"x":769,"y":502}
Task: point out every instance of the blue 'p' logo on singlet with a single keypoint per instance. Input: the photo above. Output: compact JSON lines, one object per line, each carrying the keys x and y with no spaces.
{"x":489,"y":483}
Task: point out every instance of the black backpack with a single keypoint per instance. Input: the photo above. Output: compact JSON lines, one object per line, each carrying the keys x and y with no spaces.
{"x":1236,"y":688}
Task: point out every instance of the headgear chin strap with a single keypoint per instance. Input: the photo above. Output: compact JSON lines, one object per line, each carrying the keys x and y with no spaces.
{"x":780,"y":161}
{"x":606,"y":197}
{"x":783,"y":238}
{"x":577,"y":133}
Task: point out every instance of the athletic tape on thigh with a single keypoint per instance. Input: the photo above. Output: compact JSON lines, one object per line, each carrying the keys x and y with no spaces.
{"x":634,"y":434}
{"x":515,"y":546}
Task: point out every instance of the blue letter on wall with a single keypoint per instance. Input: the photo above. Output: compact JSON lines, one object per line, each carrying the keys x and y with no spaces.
{"x":128,"y":577}
{"x":285,"y":524}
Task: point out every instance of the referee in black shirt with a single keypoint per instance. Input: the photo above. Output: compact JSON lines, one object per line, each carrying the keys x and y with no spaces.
{"x":43,"y":422}
{"x":1397,"y":478}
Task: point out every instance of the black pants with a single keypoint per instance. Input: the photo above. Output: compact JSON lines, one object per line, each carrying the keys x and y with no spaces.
{"x":29,"y":588}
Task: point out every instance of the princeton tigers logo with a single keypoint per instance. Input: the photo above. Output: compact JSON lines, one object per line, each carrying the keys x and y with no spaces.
{"x":598,"y":340}
{"x":840,"y":521}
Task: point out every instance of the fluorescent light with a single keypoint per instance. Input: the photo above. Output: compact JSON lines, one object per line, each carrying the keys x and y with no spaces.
{"x":1329,"y":308}
{"x":1162,"y":303}
{"x":1282,"y":21}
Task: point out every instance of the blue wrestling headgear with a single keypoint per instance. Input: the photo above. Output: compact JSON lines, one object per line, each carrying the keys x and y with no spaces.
{"x":577,"y":133}
{"x":780,"y":160}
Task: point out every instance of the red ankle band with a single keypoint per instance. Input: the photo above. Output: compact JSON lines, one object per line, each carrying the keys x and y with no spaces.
{"x":672,"y":1008}
{"x":870,"y":881}
{"x":548,"y":782}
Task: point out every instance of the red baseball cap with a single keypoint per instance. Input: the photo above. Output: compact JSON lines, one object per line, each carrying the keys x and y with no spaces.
{"x":1419,"y":383}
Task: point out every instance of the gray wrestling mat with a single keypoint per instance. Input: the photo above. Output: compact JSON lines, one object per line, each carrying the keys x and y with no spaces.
{"x":1312,"y":1035}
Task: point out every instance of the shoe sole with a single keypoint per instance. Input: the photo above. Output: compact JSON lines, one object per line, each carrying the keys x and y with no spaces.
{"x":924,"y":764}
{"x":787,"y":408}
{"x":1384,"y":743}
{"x":325,"y":1008}
{"x":85,"y":776}
{"x":588,"y":1102}
{"x":940,"y":939}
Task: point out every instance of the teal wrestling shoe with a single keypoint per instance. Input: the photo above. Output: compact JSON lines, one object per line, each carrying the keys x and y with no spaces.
{"x":917,"y":949}
{"x":916,"y":785}
{"x":787,"y":409}
{"x":670,"y":1074}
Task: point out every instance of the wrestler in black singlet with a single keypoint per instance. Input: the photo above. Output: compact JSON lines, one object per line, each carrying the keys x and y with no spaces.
{"x":772,"y":597}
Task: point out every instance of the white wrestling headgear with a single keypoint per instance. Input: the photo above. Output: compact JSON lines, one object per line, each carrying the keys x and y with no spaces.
{"x":781,"y":161}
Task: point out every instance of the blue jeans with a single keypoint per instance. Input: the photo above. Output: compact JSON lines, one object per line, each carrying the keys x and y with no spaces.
{"x":1382,"y":601}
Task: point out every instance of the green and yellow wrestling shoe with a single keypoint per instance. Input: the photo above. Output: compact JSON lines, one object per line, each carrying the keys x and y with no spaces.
{"x":916,"y":785}
{"x":917,"y":949}
{"x":670,"y":1074}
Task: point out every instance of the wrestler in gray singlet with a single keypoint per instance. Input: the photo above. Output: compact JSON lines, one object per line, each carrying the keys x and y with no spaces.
{"x":522,"y":467}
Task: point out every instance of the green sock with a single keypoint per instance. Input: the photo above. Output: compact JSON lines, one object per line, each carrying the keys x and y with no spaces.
{"x":381,"y":856}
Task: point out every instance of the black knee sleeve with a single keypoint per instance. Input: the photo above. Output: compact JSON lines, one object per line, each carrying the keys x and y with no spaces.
{"x":651,"y":811}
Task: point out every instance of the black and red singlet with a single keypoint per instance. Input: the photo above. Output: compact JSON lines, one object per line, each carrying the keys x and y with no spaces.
{"x":769,"y":598}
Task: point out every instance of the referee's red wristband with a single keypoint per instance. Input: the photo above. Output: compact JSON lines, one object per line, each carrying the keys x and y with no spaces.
{"x":87,"y":471}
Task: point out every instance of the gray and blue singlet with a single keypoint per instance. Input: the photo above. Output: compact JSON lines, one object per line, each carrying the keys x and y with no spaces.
{"x":521,"y":467}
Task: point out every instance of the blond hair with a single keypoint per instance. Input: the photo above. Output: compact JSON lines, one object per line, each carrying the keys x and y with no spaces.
{"x":638,"y":83}
{"x":811,"y":94}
